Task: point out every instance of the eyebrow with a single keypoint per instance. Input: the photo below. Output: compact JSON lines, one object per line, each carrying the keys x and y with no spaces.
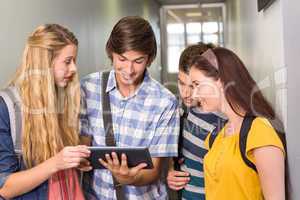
{"x":69,"y":57}
{"x":139,"y":58}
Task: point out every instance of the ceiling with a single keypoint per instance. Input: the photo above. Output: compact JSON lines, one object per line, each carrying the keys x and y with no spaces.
{"x":206,"y":14}
{"x":174,"y":2}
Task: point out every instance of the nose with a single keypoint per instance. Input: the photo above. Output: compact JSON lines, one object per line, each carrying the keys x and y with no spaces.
{"x":73,"y":68}
{"x":195,"y":94}
{"x":130,"y":67}
{"x":187,"y":92}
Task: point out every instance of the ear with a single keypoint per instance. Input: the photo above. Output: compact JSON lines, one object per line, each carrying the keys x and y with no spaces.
{"x":149,"y":62}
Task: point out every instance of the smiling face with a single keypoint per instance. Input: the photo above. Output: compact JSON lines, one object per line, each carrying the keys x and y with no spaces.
{"x":206,"y":90}
{"x":129,"y":67}
{"x":64,"y":65}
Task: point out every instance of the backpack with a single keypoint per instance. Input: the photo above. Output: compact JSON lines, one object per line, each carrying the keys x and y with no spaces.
{"x":12,"y":99}
{"x":245,"y":128}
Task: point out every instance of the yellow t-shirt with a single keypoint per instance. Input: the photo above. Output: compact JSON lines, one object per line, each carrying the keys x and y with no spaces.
{"x":226,"y":174}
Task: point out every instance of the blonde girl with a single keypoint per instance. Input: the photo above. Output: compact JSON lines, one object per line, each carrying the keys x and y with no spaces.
{"x":47,"y":86}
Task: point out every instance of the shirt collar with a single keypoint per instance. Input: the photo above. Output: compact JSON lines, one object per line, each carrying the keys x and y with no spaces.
{"x":112,"y":84}
{"x":143,"y":88}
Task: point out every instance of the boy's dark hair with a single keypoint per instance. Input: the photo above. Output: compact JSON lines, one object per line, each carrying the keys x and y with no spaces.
{"x":132,"y":33}
{"x":189,"y":53}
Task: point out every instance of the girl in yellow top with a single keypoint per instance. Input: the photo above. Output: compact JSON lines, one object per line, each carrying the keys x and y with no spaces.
{"x":222,"y":83}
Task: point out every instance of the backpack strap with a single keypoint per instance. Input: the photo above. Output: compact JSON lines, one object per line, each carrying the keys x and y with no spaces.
{"x":12,"y":99}
{"x":245,"y":128}
{"x":246,"y":125}
{"x":106,"y":112}
{"x":212,"y":138}
{"x":108,"y":127}
{"x":215,"y":132}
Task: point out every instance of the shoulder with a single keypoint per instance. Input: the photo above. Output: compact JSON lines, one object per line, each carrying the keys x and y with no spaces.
{"x":207,"y":121}
{"x":93,"y":78}
{"x":262,"y":134}
{"x":91,"y":83}
{"x":210,"y":117}
{"x":261,"y":125}
{"x":158,"y":91}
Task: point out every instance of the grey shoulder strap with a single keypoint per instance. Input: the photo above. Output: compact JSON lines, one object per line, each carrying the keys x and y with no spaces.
{"x":12,"y":99}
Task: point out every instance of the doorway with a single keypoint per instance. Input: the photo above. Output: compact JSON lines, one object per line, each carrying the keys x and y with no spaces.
{"x":183,"y":25}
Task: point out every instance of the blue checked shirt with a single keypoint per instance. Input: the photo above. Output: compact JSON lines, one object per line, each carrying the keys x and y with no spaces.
{"x":148,"y":118}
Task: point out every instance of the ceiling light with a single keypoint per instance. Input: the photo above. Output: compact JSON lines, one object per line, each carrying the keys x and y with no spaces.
{"x":193,"y":14}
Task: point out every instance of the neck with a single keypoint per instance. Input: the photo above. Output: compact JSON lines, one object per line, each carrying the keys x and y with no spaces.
{"x":234,"y":120}
{"x":127,"y":90}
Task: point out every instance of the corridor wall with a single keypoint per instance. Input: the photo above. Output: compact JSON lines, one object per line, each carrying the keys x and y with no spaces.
{"x":269,"y":43}
{"x":90,"y":20}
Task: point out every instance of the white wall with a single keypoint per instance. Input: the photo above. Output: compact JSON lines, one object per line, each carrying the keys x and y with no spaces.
{"x":258,"y":39}
{"x":90,"y":20}
{"x":268,"y":43}
{"x":107,"y":13}
{"x":291,"y":33}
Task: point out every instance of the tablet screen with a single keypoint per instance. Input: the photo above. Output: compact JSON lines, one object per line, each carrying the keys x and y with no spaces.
{"x":135,"y":156}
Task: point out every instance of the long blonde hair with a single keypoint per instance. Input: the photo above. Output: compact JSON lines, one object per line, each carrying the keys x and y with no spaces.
{"x":49,"y":114}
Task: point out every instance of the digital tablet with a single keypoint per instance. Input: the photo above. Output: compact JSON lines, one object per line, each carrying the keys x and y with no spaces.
{"x":135,"y":156}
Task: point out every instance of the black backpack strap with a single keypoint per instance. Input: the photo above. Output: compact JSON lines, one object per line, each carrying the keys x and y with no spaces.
{"x":108,"y":127}
{"x":106,"y":112}
{"x":215,"y":132}
{"x":212,"y":138}
{"x":246,"y":125}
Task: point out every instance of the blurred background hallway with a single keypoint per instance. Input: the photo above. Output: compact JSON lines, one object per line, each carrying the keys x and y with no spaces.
{"x":265,"y":36}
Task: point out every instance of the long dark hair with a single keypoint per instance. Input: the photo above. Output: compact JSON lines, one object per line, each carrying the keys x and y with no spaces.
{"x":242,"y":92}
